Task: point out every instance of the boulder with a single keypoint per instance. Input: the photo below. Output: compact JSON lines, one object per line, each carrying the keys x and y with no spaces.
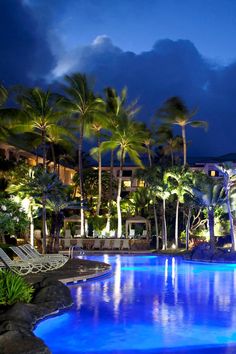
{"x":16,"y":322}
{"x":15,"y":342}
{"x":52,"y":291}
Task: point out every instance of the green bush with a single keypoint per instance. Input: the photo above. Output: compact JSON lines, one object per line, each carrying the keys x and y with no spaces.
{"x":13,"y":288}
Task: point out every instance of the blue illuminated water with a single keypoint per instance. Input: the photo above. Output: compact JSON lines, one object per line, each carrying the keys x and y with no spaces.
{"x":149,"y":305}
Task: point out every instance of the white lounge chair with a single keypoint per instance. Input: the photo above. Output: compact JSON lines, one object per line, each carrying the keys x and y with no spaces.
{"x":144,"y":234}
{"x":125,"y":245}
{"x":19,"y":267}
{"x":97,"y":244}
{"x":37,"y":265}
{"x":116,"y":244}
{"x":132,"y":233}
{"x":107,"y":245}
{"x":55,"y":260}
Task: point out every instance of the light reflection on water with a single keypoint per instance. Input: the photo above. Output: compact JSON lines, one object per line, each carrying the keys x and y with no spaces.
{"x":150,"y":305}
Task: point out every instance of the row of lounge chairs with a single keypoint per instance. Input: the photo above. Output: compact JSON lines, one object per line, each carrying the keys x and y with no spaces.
{"x":31,"y":261}
{"x":108,"y":244}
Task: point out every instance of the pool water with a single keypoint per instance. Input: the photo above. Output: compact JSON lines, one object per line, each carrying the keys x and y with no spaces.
{"x":150,"y":304}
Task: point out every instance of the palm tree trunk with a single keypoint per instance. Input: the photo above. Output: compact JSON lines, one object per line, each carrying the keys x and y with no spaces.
{"x":119,"y":216}
{"x":44,"y":217}
{"x":44,"y":148}
{"x":149,"y":155}
{"x":53,"y":157}
{"x":184,"y":145}
{"x":177,"y":224}
{"x":44,"y":197}
{"x":211,"y":227}
{"x":154,"y":206}
{"x":156,"y":226}
{"x":108,"y":225}
{"x":80,"y":146}
{"x":99,"y":178}
{"x":187,"y":229}
{"x":232,"y":234}
{"x":31,"y":226}
{"x":164,"y":237}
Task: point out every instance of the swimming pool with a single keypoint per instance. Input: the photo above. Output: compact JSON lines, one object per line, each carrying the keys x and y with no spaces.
{"x":151,"y":304}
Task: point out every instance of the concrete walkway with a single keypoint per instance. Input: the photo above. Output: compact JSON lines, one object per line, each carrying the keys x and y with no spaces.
{"x":73,"y":271}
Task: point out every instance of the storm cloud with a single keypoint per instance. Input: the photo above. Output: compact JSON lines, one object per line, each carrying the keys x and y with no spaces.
{"x":33,"y":52}
{"x":25,"y":56}
{"x":170,"y":68}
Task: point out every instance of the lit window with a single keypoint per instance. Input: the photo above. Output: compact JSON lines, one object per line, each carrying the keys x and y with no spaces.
{"x":127,"y":184}
{"x":212,"y":173}
{"x":141,"y":183}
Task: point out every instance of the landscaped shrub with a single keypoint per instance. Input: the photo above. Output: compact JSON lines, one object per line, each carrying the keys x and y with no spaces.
{"x":13,"y":288}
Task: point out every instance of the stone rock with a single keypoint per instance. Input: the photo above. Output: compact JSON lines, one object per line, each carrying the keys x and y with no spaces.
{"x":52,"y":291}
{"x":14,"y":342}
{"x":202,"y":252}
{"x":18,"y":312}
{"x":16,"y":322}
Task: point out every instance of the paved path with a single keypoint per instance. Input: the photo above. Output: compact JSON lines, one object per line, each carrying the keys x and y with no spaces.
{"x":74,"y":270}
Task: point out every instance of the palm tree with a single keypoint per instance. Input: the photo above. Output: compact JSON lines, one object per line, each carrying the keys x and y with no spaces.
{"x":154,"y":180}
{"x":172,"y":144}
{"x":96,"y":127}
{"x":7,"y":119}
{"x":180,"y":182}
{"x":174,"y":112}
{"x":115,"y":105}
{"x":209,"y":193}
{"x":39,"y":113}
{"x":83,"y":106}
{"x":229,"y":183}
{"x":128,"y":140}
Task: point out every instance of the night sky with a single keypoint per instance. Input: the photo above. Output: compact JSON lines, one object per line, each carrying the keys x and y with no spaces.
{"x":157,"y":48}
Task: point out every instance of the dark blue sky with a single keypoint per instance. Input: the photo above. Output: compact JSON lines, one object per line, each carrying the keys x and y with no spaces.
{"x":158,"y":48}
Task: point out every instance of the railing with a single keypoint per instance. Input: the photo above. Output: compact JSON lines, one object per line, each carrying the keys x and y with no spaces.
{"x":75,"y":248}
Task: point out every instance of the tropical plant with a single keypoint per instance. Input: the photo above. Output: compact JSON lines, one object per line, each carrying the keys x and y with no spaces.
{"x":13,"y":219}
{"x":128,"y":140}
{"x":39,"y":113}
{"x":115,"y":105}
{"x":13,"y":288}
{"x":154,"y":180}
{"x":45,"y":184}
{"x":172,"y":144}
{"x":174,"y":112}
{"x":6,"y":120}
{"x":209,"y":193}
{"x":179,"y":181}
{"x":83,"y":106}
{"x":229,"y":183}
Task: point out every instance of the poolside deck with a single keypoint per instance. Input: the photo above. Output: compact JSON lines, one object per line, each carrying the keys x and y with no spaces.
{"x":73,"y":271}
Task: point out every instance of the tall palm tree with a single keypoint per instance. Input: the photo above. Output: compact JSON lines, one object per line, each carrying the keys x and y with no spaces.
{"x":180,"y":184}
{"x":116,"y":104}
{"x":7,"y":120}
{"x":39,"y":112}
{"x":83,"y":106}
{"x":175,"y":112}
{"x":128,"y":140}
{"x":153,"y":178}
{"x":209,"y":193}
{"x":229,"y":182}
{"x":172,"y":144}
{"x":96,"y":127}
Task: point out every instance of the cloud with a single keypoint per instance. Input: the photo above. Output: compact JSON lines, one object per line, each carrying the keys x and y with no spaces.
{"x":169,"y":68}
{"x":25,"y":54}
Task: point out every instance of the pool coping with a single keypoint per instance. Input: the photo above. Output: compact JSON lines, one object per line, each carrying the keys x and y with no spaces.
{"x":83,"y":278}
